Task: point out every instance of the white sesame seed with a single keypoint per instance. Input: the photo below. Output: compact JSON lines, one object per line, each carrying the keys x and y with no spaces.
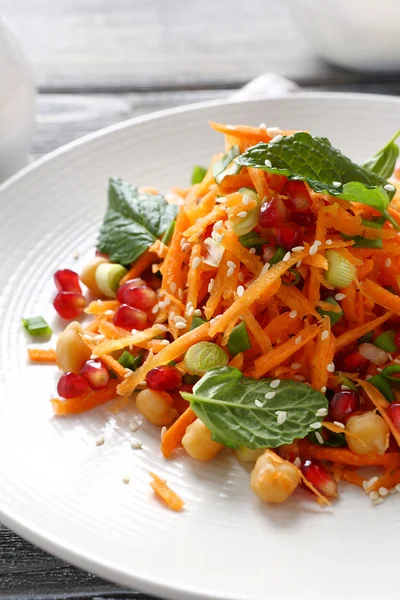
{"x":329,"y":242}
{"x":273,"y":130}
{"x":389,"y":187}
{"x":336,"y":184}
{"x":383,"y":491}
{"x":94,"y":356}
{"x":275,"y":140}
{"x":316,"y":425}
{"x":297,"y":248}
{"x":240,"y":291}
{"x":161,"y":327}
{"x":163,"y":431}
{"x":313,"y":250}
{"x":218,"y":237}
{"x":378,"y":501}
{"x":295,"y":365}
{"x":293,"y":314}
{"x":245,"y":200}
{"x":197,"y":312}
{"x":258,"y":403}
{"x":299,"y":377}
{"x":100,"y":440}
{"x":317,"y":243}
{"x":319,"y":438}
{"x":286,"y":257}
{"x":167,"y":301}
{"x":210,"y":286}
{"x":190,"y":311}
{"x":162,"y":304}
{"x":221,"y":200}
{"x":388,"y":262}
{"x":75,"y":254}
{"x":321,"y":412}
{"x":339,"y":424}
{"x":265,"y":268}
{"x":219,"y":223}
{"x":189,"y":304}
{"x":108,"y":312}
{"x":268,"y":163}
{"x":298,"y":264}
{"x":397,"y":487}
{"x":281,"y":417}
{"x":162,"y":247}
{"x":396,"y":361}
{"x":185,"y":247}
{"x":125,"y":479}
{"x":374,"y":495}
{"x":367,"y":377}
{"x":297,"y":462}
{"x":163,"y":342}
{"x":179,"y":319}
{"x":323,"y":389}
{"x":128,"y":373}
{"x":155,"y":309}
{"x":331,"y":367}
{"x":372,"y":481}
{"x":230,"y":272}
{"x":379,"y":370}
{"x":173,"y":286}
{"x":196,"y":262}
{"x":269,"y":395}
{"x":275,"y":383}
{"x":365,"y":485}
{"x":87,"y":336}
{"x":344,"y":387}
{"x":232,"y":127}
{"x":390,"y":357}
{"x":324,"y":335}
{"x":99,"y":302}
{"x":136,"y":445}
{"x":180,"y":325}
{"x":262,"y":126}
{"x":143,"y":382}
{"x":340,"y":297}
{"x":133,"y":425}
{"x":231,"y":264}
{"x":242,"y":214}
{"x":252,"y":250}
{"x":99,"y":337}
{"x":298,"y":340}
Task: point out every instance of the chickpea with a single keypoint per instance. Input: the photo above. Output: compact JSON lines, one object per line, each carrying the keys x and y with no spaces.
{"x":198,"y":443}
{"x":247,"y":454}
{"x":71,"y":350}
{"x":88,"y":275}
{"x":372,"y":433}
{"x":274,"y":479}
{"x":155,"y":408}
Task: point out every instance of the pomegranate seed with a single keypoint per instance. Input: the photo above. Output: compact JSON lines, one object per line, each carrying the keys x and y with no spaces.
{"x":153,"y":282}
{"x":305,"y":219}
{"x":289,"y":236}
{"x":69,"y":305}
{"x":320,"y":478}
{"x":141,"y":297}
{"x":299,"y":199}
{"x":95,"y":374}
{"x":343,"y":404}
{"x":393,"y":412}
{"x":353,"y":362}
{"x":164,"y":378}
{"x":397,"y":339}
{"x":268,"y":252}
{"x":67,"y":281}
{"x":272,"y":213}
{"x":98,"y":253}
{"x":130,"y":318}
{"x":71,"y":385}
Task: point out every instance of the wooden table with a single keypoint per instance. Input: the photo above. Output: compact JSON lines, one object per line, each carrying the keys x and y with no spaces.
{"x":100,"y":61}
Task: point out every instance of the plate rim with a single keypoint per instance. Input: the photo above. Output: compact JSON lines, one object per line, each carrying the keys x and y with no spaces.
{"x":52,"y":543}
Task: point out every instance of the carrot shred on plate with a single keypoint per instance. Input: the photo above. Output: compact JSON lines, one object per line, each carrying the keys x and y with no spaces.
{"x":347,"y":457}
{"x":84,"y":402}
{"x":41,"y":355}
{"x":173,"y":436}
{"x":168,"y":496}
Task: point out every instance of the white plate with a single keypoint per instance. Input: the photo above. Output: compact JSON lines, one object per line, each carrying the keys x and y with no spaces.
{"x":65,"y":494}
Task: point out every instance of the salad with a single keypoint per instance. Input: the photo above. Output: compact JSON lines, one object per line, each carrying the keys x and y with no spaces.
{"x":256,"y":311}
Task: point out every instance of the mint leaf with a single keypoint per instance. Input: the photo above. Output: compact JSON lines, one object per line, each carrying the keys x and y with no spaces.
{"x":314,"y":160}
{"x":225,"y":166}
{"x":384,"y":161}
{"x":133,"y":221}
{"x":225,"y":401}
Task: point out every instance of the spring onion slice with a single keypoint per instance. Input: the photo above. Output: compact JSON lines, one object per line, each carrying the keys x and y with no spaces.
{"x":362,"y":242}
{"x":108,"y":276}
{"x":389,"y":372}
{"x":295,"y":281}
{"x":220,"y":167}
{"x":37,"y":326}
{"x":239,"y":339}
{"x":382,"y":385}
{"x":198,"y":174}
{"x":166,"y":238}
{"x":386,"y":341}
{"x":333,"y":316}
{"x":241,"y":226}
{"x":129,"y":361}
{"x":340,"y":271}
{"x":196,"y":322}
{"x":252,"y":239}
{"x":277,"y":257}
{"x":203,"y":357}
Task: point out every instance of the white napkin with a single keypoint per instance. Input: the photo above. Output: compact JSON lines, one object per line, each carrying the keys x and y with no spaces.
{"x":269,"y":85}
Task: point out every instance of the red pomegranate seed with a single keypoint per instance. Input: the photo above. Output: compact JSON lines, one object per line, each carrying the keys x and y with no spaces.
{"x":67,"y":281}
{"x":141,"y":297}
{"x":95,"y":374}
{"x":69,"y":305}
{"x":305,"y":219}
{"x":393,"y":412}
{"x":343,"y":404}
{"x":268,"y":252}
{"x":164,"y":378}
{"x":320,"y":478}
{"x":130,"y":318}
{"x":352,"y":363}
{"x":153,"y":282}
{"x":289,"y":236}
{"x":272,"y":213}
{"x":102,"y":254}
{"x":299,"y":199}
{"x":397,"y":339}
{"x":71,"y":385}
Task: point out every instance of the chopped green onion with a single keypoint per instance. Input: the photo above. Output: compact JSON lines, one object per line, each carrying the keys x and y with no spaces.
{"x":376,"y":224}
{"x":333,"y":316}
{"x":340,"y":271}
{"x":128,"y":361}
{"x":203,"y":357}
{"x":37,"y":326}
{"x":382,"y":385}
{"x":252,"y":239}
{"x":362,"y":242}
{"x":108,"y":276}
{"x":196,"y":322}
{"x":246,"y":225}
{"x":239,"y":339}
{"x":190,"y":379}
{"x":296,"y":280}
{"x":366,"y":338}
{"x":386,"y":341}
{"x":277,"y":257}
{"x":168,"y":233}
{"x":345,"y":381}
{"x":221,"y":166}
{"x":388,"y":374}
{"x":198,"y":174}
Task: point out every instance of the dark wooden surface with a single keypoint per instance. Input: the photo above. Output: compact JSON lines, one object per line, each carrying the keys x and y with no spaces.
{"x":98,"y":62}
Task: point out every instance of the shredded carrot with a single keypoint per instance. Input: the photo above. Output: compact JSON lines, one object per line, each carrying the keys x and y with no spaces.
{"x":260,"y":182}
{"x":378,"y":294}
{"x":257,"y":331}
{"x":131,"y":340}
{"x":283,"y":325}
{"x":193,"y":281}
{"x":352,"y":477}
{"x":84,"y":402}
{"x":140,"y":265}
{"x":171,"y":498}
{"x":321,"y":498}
{"x":193,"y":232}
{"x":352,"y":335}
{"x":203,"y":208}
{"x":173,"y":436}
{"x":231,"y":243}
{"x":216,"y":288}
{"x":382,"y":405}
{"x":337,"y":471}
{"x":348,"y":303}
{"x":107,"y":359}
{"x":323,"y":357}
{"x":347,"y":457}
{"x":39,"y":355}
{"x":295,"y":300}
{"x":159,"y":248}
{"x":237,"y":361}
{"x":388,"y":480}
{"x":99,"y":307}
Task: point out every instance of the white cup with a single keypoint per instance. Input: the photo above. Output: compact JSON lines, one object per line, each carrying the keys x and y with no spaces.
{"x":17,"y":103}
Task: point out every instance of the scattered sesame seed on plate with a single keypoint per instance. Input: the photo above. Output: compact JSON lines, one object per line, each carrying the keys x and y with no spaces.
{"x":75,"y":254}
{"x":293,"y":314}
{"x":196,"y":262}
{"x":100,"y":440}
{"x":319,"y":438}
{"x":383,"y":491}
{"x":133,"y":425}
{"x":275,"y":383}
{"x":374,"y":495}
{"x":378,"y":501}
{"x":136,"y":445}
{"x":269,"y":395}
{"x":125,"y":479}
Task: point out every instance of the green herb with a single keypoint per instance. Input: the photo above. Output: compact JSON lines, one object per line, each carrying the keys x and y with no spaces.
{"x":133,"y":222}
{"x":246,"y":225}
{"x":362,"y":242}
{"x":252,"y":239}
{"x":341,"y":271}
{"x":203,"y":357}
{"x":128,"y":361}
{"x":236,"y":411}
{"x":196,"y":322}
{"x":221,"y":167}
{"x":389,"y":373}
{"x":333,"y":316}
{"x":296,"y":278}
{"x":366,"y":338}
{"x":108,"y":276}
{"x":169,"y":232}
{"x":384,"y":161}
{"x":277,"y":257}
{"x":239,"y":340}
{"x":376,"y":224}
{"x":386,"y":341}
{"x":333,"y":440}
{"x":314,"y":160}
{"x":382,"y":385}
{"x":37,"y":326}
{"x":198,"y":174}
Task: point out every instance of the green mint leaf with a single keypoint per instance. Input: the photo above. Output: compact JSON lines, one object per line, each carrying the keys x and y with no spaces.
{"x":384,"y":161}
{"x":314,"y":160}
{"x":198,"y":174}
{"x":236,"y":411}
{"x":133,"y":222}
{"x":225,"y":166}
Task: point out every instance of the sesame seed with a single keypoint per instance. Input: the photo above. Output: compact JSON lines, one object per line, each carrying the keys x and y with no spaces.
{"x":245,"y":200}
{"x":314,"y":249}
{"x":295,"y":365}
{"x":329,"y":242}
{"x":88,"y":337}
{"x":331,"y":367}
{"x":221,"y":200}
{"x":317,"y":243}
{"x":155,"y":309}
{"x":265,"y":268}
{"x":383,"y":491}
{"x":133,"y":425}
{"x":321,"y":412}
{"x":390,"y":357}
{"x":197,"y":312}
{"x":125,"y":479}
{"x":389,"y":187}
{"x":339,"y":424}
{"x":297,"y":462}
{"x":218,"y":237}
{"x":336,"y":184}
{"x":319,"y":438}
{"x":388,"y":262}
{"x":367,"y":377}
{"x":298,"y":264}
{"x":281,"y":416}
{"x":231,"y":264}
{"x":185,"y":247}
{"x":162,"y":304}
{"x":163,"y":431}
{"x":365,"y":485}
{"x":190,"y":311}
{"x":108,"y":312}
{"x":219,"y":223}
{"x":297,"y":248}
{"x":293,"y":314}
{"x":324,"y":335}
{"x":128,"y":373}
{"x":372,"y":481}
{"x":210,"y":286}
{"x":240,"y":291}
{"x":99,"y":302}
{"x":344,"y":387}
{"x":323,"y":389}
{"x":136,"y":445}
{"x":232,"y":127}
{"x":396,"y":361}
{"x":316,"y":425}
{"x":262,"y":126}
{"x":268,"y":163}
{"x":163,"y":342}
{"x":100,"y":440}
{"x":258,"y":403}
{"x":173,"y":286}
{"x":298,"y":340}
{"x":286,"y":257}
{"x":273,"y":130}
{"x":340,"y":296}
{"x":75,"y":254}
{"x":162,"y":327}
{"x":397,"y":487}
{"x":196,"y":262}
{"x":99,"y":337}
{"x":189,"y":304}
{"x":93,"y":356}
{"x":180,"y":325}
{"x":162,"y":247}
{"x":252,"y":250}
{"x":269,"y":395}
{"x":275,"y":140}
{"x":378,"y":501}
{"x":242,"y":214}
{"x":230,"y":272}
{"x":299,"y":377}
{"x":275,"y":383}
{"x":374,"y":495}
{"x":179,"y":319}
{"x":379,"y":370}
